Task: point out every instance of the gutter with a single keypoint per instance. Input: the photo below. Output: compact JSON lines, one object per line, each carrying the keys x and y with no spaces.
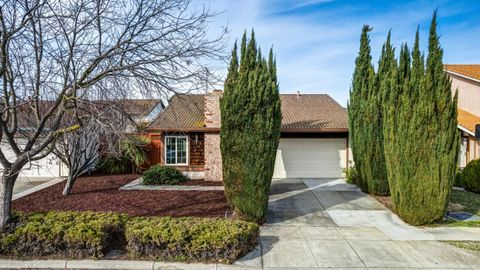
{"x":462,"y":128}
{"x":462,"y":76}
{"x":285,"y":130}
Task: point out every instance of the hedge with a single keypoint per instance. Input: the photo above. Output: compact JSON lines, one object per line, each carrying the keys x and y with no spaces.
{"x":77,"y":235}
{"x":469,"y":177}
{"x":160,"y":175}
{"x":190,"y":239}
{"x":71,"y":234}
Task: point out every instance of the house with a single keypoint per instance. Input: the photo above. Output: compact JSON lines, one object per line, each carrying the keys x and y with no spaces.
{"x":466,"y":80}
{"x":133,"y":111}
{"x":313,"y":144}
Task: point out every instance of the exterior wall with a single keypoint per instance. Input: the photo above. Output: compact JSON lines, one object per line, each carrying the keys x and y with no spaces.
{"x":468,"y":100}
{"x":213,"y":156}
{"x":468,"y":94}
{"x":473,"y":150}
{"x":195,"y":167}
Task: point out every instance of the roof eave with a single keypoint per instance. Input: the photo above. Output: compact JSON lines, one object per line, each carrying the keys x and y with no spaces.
{"x":314,"y":130}
{"x":285,"y":130}
{"x":466,"y":130}
{"x":461,"y":75}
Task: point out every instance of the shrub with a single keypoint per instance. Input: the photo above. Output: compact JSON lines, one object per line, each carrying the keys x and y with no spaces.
{"x":160,"y":175}
{"x":190,"y":239}
{"x":351,"y":174}
{"x":250,"y":130}
{"x":366,"y":117}
{"x":421,"y":135}
{"x":72,"y":234}
{"x":469,"y":177}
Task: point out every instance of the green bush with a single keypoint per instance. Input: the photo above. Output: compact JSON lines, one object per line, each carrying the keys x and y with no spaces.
{"x":72,"y":234}
{"x":351,"y":174}
{"x":162,"y":175}
{"x":190,"y":239}
{"x":469,"y":177}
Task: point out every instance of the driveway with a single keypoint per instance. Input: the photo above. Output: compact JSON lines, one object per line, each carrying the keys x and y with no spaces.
{"x":25,"y":183}
{"x":327,"y":223}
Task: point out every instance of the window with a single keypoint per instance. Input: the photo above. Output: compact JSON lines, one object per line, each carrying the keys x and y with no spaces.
{"x":176,"y":150}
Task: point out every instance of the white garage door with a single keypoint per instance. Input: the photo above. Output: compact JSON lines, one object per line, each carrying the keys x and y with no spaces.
{"x":310,"y":158}
{"x":50,"y":166}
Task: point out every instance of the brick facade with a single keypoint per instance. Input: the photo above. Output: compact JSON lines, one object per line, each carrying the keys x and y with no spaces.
{"x":213,"y":157}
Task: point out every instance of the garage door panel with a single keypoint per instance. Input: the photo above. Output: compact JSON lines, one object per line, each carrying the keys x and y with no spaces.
{"x":310,"y":158}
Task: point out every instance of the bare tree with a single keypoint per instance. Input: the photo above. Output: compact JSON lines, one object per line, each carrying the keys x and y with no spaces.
{"x":81,"y":150}
{"x":54,"y":53}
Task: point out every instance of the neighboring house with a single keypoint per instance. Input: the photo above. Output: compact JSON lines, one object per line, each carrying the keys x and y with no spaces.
{"x":313,"y":144}
{"x":466,"y":80}
{"x":135,"y":112}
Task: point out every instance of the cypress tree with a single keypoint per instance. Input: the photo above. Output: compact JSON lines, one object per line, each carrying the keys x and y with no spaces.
{"x":365,"y":120}
{"x":250,"y":130}
{"x":421,"y":137}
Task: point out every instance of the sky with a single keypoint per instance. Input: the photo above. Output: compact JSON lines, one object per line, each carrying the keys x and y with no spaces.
{"x":316,"y":41}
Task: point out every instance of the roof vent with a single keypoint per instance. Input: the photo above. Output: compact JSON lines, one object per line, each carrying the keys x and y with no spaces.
{"x":298,"y":94}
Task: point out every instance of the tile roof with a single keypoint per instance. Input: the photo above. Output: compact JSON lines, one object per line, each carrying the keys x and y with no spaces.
{"x":135,"y":107}
{"x":129,"y":107}
{"x":306,"y":111}
{"x":471,"y":71}
{"x":184,"y":112}
{"x":467,"y":120}
{"x":312,"y":111}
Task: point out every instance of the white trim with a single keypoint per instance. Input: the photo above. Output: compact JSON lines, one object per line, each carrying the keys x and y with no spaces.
{"x":465,"y":130}
{"x":187,"y":149}
{"x":460,"y":75}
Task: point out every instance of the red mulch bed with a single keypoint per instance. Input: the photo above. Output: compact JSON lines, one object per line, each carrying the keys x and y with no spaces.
{"x":101,"y":194}
{"x":201,"y":182}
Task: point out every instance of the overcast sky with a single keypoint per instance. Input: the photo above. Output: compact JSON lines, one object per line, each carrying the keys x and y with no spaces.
{"x":316,"y":41}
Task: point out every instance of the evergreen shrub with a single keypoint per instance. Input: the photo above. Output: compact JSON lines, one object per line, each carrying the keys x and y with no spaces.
{"x":163,"y":175}
{"x":71,"y":234}
{"x":190,"y":239}
{"x":469,"y":177}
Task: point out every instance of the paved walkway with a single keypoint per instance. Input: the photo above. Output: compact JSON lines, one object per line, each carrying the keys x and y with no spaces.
{"x":137,"y":185}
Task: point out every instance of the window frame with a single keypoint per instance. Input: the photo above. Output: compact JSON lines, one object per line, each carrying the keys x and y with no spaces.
{"x":187,"y":145}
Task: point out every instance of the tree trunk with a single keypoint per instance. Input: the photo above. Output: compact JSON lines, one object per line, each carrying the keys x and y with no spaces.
{"x":6,"y":192}
{"x":68,"y":185}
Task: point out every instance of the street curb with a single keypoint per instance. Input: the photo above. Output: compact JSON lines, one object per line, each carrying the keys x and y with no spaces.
{"x":105,"y":264}
{"x":37,"y":188}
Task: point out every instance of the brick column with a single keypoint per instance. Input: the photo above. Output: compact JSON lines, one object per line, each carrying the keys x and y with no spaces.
{"x":213,"y":156}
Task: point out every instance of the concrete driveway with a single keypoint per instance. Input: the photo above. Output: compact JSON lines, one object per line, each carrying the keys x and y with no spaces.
{"x":25,"y":183}
{"x":327,"y":223}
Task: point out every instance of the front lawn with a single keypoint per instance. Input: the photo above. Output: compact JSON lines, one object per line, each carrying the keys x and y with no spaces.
{"x":101,"y":194}
{"x":460,"y":201}
{"x":470,"y":245}
{"x":465,"y":201}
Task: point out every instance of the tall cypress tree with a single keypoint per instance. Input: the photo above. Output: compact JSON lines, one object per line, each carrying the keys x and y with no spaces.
{"x":365,"y":120}
{"x":421,"y":137}
{"x":250,"y":130}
